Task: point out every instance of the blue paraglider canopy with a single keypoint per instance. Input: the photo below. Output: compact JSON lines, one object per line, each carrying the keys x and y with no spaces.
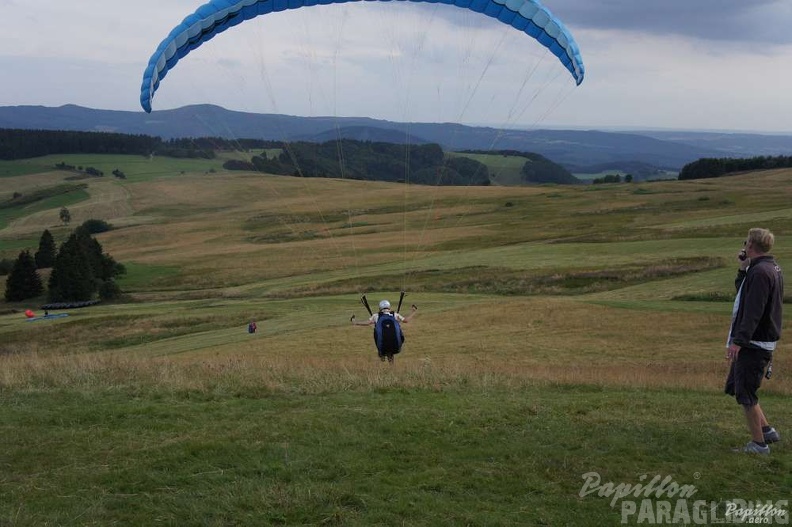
{"x":528,"y":16}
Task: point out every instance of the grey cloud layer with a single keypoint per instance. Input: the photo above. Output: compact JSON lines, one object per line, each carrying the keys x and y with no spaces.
{"x":736,"y":21}
{"x":757,"y":21}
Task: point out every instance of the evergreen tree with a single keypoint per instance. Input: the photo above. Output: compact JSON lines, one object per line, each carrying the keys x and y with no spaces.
{"x":24,"y":281}
{"x":82,"y":268}
{"x":72,"y":277}
{"x":103,"y":266}
{"x":109,"y":290}
{"x":45,"y":256}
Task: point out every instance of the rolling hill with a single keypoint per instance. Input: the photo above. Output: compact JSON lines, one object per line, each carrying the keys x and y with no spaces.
{"x":577,"y":150}
{"x":561,"y":331}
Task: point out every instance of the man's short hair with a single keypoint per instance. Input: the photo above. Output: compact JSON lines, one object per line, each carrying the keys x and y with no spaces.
{"x":762,"y":239}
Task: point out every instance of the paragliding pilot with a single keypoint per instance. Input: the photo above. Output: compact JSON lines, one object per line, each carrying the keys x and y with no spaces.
{"x":388,"y":336}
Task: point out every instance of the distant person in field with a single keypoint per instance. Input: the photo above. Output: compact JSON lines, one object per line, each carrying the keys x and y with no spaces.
{"x":755,"y":330}
{"x":388,"y":336}
{"x":252,"y":327}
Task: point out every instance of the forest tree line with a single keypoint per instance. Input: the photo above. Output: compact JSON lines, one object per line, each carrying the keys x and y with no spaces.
{"x":717,"y":167}
{"x":419,"y":164}
{"x":350,"y":159}
{"x":25,"y":144}
{"x":365,"y":160}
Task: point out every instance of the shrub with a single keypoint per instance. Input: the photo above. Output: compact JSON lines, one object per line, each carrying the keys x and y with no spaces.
{"x":109,"y":290}
{"x":96,"y":226}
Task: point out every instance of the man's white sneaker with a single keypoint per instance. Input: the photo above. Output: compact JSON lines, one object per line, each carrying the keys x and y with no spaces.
{"x":753,"y":448}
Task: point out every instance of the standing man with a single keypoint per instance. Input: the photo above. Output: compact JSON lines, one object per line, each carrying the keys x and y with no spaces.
{"x":755,"y":330}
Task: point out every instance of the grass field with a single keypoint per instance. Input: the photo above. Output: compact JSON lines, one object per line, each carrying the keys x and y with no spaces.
{"x":504,"y":170}
{"x":552,"y":340}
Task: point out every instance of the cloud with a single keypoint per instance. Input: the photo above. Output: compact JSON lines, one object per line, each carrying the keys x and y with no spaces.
{"x":58,"y":81}
{"x":733,"y":21}
{"x":741,"y":22}
{"x":667,"y":63}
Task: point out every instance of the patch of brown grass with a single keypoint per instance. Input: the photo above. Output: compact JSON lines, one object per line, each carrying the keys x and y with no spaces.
{"x":482,"y":343}
{"x":317,"y":374}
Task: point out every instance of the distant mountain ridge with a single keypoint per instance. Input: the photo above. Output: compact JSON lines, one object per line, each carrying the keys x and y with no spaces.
{"x":577,"y":150}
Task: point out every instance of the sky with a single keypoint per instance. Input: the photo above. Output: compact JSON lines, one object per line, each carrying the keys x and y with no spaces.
{"x":719,"y":65}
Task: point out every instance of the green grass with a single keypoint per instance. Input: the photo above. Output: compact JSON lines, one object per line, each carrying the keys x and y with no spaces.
{"x":458,"y":455}
{"x":140,"y":275}
{"x":10,"y":248}
{"x":504,"y":170}
{"x":17,"y":168}
{"x":136,"y":168}
{"x":273,"y":152}
{"x":23,"y":200}
{"x":455,"y":455}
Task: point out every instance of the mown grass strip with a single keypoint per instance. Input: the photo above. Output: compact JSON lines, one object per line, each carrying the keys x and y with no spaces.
{"x":505,"y":281}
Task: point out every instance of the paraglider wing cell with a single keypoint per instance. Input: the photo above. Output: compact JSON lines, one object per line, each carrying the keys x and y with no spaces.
{"x":528,"y":16}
